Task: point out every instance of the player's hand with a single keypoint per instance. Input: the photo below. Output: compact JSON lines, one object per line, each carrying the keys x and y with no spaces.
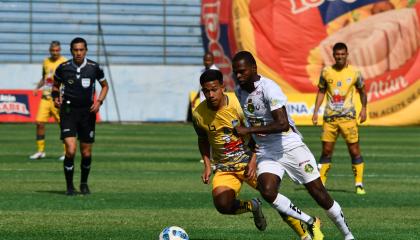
{"x":315,"y":118}
{"x":363,"y":115}
{"x":205,"y":177}
{"x":95,"y":107}
{"x":251,"y":170}
{"x":35,"y":92}
{"x":57,"y":102}
{"x":240,"y":131}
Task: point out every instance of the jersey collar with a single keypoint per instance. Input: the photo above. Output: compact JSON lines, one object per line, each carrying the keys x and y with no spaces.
{"x":81,"y":66}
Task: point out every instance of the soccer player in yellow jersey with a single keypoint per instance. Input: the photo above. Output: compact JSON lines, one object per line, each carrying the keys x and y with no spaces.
{"x":214,"y":121}
{"x":338,"y":82}
{"x":46,"y":106}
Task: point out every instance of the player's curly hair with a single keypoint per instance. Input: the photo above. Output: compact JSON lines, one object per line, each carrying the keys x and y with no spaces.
{"x":211,"y":75}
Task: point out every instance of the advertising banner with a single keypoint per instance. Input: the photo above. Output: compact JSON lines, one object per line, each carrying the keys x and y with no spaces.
{"x":18,"y":105}
{"x":292,"y":41}
{"x":21,"y":106}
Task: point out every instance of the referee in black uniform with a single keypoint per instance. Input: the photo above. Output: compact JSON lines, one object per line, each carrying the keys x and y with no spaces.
{"x":78,"y":109}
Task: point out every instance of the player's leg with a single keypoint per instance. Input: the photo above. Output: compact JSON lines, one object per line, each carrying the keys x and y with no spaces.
{"x":41,"y":118}
{"x":351,"y":136}
{"x":295,"y":224}
{"x":68,"y":127}
{"x":55,"y":113}
{"x":68,"y":164}
{"x":86,"y":151}
{"x":305,"y":173}
{"x":333,"y":210}
{"x":269,"y":179}
{"x":86,"y":133}
{"x":226,"y":187}
{"x":328,"y":137}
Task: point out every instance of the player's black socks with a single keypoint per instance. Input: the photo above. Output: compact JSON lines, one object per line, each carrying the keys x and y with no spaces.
{"x":68,"y":171}
{"x":85,"y":169}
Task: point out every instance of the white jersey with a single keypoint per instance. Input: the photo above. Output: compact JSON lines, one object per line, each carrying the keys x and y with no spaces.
{"x":202,"y":97}
{"x":257,"y":107}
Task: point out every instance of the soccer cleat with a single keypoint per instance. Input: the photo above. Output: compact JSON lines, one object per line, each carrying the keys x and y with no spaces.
{"x":84,"y":189}
{"x":71,"y":191}
{"x":61,"y":158}
{"x":306,"y":237}
{"x":259,"y":218}
{"x":360,"y":190}
{"x":315,"y":230}
{"x":37,"y":155}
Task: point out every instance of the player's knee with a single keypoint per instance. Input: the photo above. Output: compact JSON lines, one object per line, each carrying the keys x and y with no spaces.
{"x":223,"y":206}
{"x":268,"y":193}
{"x":70,"y":151}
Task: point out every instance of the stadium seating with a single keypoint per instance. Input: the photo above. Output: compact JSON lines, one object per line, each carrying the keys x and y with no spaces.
{"x":135,"y":32}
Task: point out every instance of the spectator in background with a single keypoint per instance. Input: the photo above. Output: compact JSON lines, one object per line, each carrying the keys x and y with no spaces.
{"x":46,"y":106}
{"x":208,"y":62}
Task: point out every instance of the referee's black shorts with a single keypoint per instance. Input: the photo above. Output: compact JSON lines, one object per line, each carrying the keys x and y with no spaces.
{"x":78,"y":122}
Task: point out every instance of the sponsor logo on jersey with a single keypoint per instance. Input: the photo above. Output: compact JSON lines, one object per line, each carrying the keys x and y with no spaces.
{"x":308,"y":168}
{"x":85,"y":82}
{"x":70,"y":81}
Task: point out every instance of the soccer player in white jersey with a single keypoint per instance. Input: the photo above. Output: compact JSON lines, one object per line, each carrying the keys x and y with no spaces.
{"x":280,"y":146}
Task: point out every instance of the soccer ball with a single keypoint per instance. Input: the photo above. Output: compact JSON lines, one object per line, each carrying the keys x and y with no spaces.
{"x":173,"y":233}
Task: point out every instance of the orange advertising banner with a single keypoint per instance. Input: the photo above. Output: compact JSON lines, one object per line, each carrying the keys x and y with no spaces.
{"x":21,"y":106}
{"x":292,"y":42}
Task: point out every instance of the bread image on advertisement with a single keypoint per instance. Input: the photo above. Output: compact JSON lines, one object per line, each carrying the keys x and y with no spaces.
{"x":380,"y":43}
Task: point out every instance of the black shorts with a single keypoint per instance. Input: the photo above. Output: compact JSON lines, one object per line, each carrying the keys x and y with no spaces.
{"x":78,"y":122}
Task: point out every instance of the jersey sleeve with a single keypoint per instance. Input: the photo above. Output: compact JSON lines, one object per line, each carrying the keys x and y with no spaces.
{"x":196,"y":124}
{"x":322,"y":84}
{"x":100,"y":76}
{"x":274,"y":96}
{"x":360,"y":83}
{"x":58,"y":75}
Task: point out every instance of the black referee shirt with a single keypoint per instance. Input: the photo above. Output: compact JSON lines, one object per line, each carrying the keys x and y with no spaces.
{"x":79,"y":81}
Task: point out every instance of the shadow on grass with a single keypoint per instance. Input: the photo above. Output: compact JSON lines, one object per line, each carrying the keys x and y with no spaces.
{"x":53,"y":192}
{"x":328,"y":189}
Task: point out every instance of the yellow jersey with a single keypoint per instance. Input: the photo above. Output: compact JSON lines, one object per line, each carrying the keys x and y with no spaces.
{"x":48,"y":71}
{"x":339,"y":87}
{"x":229,"y":152}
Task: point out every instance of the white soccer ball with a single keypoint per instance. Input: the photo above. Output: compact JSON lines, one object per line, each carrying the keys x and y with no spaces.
{"x":173,"y":233}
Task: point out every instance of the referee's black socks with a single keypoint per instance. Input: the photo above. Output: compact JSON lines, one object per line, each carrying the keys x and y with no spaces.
{"x":85,"y":169}
{"x":68,"y":171}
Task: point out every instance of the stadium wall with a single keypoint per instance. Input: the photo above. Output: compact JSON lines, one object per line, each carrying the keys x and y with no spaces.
{"x":152,"y":93}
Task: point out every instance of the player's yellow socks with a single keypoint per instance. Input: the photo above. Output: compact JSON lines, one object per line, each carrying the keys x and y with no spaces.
{"x":295,"y":224}
{"x":243,"y":207}
{"x":41,"y":145}
{"x":358,"y":173}
{"x":323,"y":171}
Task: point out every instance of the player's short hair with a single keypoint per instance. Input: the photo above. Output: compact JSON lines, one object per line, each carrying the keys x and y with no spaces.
{"x":55,"y":43}
{"x":208,"y":54}
{"x":78,"y":40}
{"x":245,"y":55}
{"x":211,"y":75}
{"x":339,"y":46}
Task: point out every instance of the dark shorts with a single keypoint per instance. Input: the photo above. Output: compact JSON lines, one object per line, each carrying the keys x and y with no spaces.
{"x":78,"y":122}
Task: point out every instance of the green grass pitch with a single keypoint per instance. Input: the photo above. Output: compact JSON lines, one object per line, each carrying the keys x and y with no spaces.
{"x":145,"y":177}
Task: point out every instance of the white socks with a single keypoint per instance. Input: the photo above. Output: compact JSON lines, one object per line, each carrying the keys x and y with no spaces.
{"x":285,"y":206}
{"x":337,"y":216}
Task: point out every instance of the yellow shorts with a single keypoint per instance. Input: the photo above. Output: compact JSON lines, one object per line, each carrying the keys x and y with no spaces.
{"x":347,"y":128}
{"x":232,"y":180}
{"x":46,"y":110}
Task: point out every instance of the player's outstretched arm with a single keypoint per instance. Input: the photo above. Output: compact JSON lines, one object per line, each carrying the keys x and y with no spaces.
{"x":280,"y":124}
{"x":319,"y":99}
{"x":363,"y":100}
{"x":204,"y":148}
